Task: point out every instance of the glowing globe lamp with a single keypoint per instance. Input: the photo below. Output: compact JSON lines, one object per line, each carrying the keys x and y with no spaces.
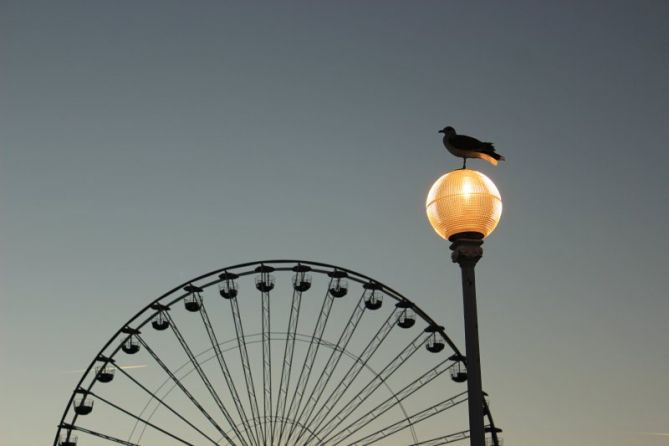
{"x":463,"y":201}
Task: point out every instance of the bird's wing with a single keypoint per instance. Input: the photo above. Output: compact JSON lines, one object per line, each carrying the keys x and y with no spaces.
{"x":466,"y":142}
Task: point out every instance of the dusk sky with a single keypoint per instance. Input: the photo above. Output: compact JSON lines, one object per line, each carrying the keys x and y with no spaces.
{"x":145,"y":143}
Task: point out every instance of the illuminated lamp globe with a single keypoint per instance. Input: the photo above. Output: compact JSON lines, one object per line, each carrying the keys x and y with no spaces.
{"x":463,"y":201}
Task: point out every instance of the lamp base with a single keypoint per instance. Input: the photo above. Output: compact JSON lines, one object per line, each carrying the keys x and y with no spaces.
{"x":466,"y":247}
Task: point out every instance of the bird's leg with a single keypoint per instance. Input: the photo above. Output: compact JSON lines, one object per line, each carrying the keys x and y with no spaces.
{"x":464,"y":163}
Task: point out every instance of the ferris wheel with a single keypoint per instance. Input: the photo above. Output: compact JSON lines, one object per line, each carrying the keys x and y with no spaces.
{"x":274,"y":353}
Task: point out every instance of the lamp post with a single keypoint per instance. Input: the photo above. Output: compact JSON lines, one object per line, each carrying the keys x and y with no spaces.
{"x":464,"y":206}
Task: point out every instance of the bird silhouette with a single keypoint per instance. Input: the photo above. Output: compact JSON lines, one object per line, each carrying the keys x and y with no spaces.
{"x":467,"y":147}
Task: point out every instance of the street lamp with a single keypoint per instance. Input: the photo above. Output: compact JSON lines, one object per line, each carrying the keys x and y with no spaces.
{"x":464,"y":206}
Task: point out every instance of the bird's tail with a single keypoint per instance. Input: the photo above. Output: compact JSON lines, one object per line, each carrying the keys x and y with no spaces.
{"x":489,"y":158}
{"x":490,"y":151}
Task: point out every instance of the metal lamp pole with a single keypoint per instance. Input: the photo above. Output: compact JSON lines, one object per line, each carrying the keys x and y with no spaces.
{"x":467,"y":251}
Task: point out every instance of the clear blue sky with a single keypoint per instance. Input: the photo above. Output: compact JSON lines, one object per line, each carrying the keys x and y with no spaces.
{"x":143,"y":143}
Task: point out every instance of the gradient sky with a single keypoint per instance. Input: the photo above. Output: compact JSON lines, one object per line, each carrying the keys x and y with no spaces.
{"x":143,"y":143}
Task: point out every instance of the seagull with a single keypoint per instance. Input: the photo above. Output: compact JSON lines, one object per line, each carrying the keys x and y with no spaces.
{"x":467,"y":147}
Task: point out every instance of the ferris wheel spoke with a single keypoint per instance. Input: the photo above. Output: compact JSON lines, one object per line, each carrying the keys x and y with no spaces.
{"x":391,"y":402}
{"x":72,"y":427}
{"x":288,"y":352}
{"x":354,"y":371}
{"x":184,"y":390}
{"x":444,"y":439}
{"x":409,"y":421}
{"x":140,"y":419}
{"x":290,"y":422}
{"x":367,"y":390}
{"x":246,"y":365}
{"x":305,"y":372}
{"x":264,"y":287}
{"x":227,"y":375}
{"x":333,"y":361}
{"x":167,"y":406}
{"x":378,"y":380}
{"x":204,"y":378}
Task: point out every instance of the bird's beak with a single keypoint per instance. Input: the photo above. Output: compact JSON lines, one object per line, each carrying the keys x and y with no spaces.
{"x":440,"y":131}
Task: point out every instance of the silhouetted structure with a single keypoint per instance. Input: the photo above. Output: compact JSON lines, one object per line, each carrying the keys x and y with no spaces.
{"x":464,"y":206}
{"x":345,"y":397}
